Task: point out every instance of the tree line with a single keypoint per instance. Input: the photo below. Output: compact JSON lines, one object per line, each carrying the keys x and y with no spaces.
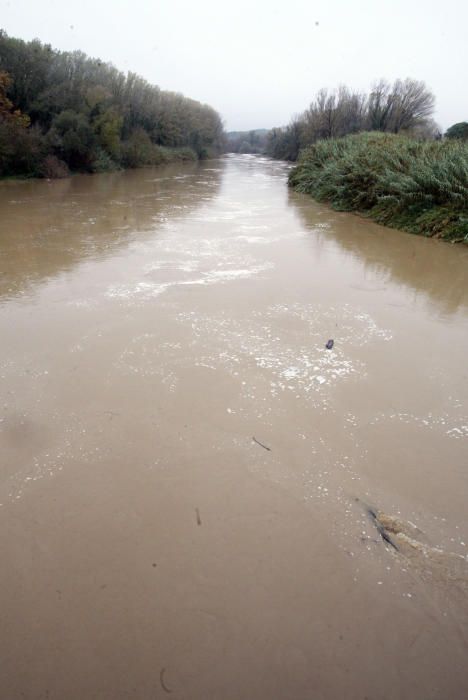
{"x":253,"y":141}
{"x":62,"y":111}
{"x":404,"y":106}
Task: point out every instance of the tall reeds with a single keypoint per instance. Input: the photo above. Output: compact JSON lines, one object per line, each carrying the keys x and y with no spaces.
{"x":418,"y":186}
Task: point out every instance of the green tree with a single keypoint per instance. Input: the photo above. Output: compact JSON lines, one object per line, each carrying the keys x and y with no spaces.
{"x":457,"y":131}
{"x":73,"y":139}
{"x":21,"y":148}
{"x":108,"y":128}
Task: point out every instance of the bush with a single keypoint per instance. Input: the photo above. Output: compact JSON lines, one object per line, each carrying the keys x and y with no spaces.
{"x":22,"y":149}
{"x":139,"y":150}
{"x":178,"y":154}
{"x":53,"y":168}
{"x":102,"y":162}
{"x":458,"y":131}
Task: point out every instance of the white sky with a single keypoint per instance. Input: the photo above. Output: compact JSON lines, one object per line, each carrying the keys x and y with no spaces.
{"x":259,"y":62}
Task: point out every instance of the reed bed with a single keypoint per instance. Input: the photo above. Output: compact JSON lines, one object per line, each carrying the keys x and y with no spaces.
{"x":416,"y":186}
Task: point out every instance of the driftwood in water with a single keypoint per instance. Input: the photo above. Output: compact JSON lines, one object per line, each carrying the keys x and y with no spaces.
{"x":261,"y":444}
{"x":383,"y":532}
{"x":161,"y":680}
{"x":435,"y":563}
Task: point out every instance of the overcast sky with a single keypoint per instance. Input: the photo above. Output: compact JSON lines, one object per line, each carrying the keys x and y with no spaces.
{"x":258,"y":62}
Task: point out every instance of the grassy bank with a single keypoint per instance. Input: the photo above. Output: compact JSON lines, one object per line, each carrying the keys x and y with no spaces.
{"x":416,"y":186}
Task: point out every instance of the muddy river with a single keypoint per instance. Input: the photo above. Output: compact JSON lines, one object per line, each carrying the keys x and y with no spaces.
{"x":198,"y":498}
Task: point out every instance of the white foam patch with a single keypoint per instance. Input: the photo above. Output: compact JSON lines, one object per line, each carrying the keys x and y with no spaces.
{"x":460,"y":432}
{"x":253,"y":239}
{"x":182,"y":265}
{"x":428,"y":421}
{"x":230,"y":274}
{"x":146,"y":291}
{"x":287,"y":344}
{"x":140,"y":290}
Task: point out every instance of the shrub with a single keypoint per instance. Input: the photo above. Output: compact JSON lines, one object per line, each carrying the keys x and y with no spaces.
{"x":178,"y":154}
{"x":139,"y":150}
{"x":22,"y":149}
{"x":458,"y":131}
{"x":53,"y":168}
{"x":102,"y":162}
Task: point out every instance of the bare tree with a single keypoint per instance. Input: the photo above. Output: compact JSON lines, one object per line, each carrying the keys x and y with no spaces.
{"x":351,"y":111}
{"x":413,"y":104}
{"x":407,"y":105}
{"x":379,"y":107}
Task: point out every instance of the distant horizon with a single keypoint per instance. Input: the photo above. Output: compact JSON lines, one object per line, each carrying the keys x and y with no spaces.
{"x":262,"y":64}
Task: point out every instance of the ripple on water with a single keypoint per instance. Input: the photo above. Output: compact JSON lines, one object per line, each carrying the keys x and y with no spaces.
{"x":146,"y":291}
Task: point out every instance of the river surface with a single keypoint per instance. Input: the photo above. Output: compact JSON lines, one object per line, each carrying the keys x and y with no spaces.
{"x":186,"y":470}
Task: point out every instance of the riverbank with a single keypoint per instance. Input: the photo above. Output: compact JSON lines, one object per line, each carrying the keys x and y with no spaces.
{"x":54,"y":169}
{"x":415,"y":186}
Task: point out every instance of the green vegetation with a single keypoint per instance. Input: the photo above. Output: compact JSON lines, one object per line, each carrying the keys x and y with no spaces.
{"x":253,"y":141}
{"x":62,"y":112}
{"x":416,"y":186}
{"x":458,"y":131}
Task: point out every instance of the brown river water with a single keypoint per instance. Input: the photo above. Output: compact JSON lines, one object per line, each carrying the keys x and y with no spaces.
{"x":187,"y":472}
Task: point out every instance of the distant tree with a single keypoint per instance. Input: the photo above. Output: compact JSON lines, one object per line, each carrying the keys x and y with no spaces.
{"x":407,"y":106}
{"x":285,"y":143}
{"x":404,"y":105}
{"x":428,"y":130}
{"x":28,"y":63}
{"x":412,"y":104}
{"x":457,"y":131}
{"x":333,"y":114}
{"x":253,"y":141}
{"x":245,"y":147}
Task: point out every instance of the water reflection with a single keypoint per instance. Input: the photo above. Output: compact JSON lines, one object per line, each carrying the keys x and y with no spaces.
{"x":433,"y":270}
{"x":46,"y":228}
